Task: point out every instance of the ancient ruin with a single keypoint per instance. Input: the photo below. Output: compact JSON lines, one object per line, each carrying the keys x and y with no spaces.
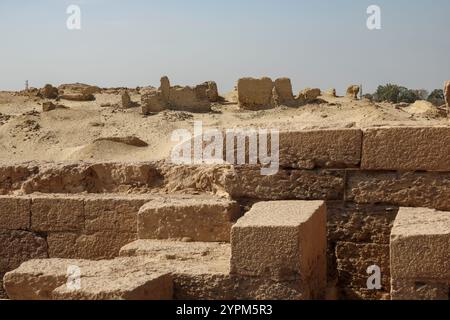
{"x":353,"y":91}
{"x":359,"y":207}
{"x":193,"y":99}
{"x":261,"y":94}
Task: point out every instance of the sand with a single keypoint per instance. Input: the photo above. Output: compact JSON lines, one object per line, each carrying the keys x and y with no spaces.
{"x":79,"y":132}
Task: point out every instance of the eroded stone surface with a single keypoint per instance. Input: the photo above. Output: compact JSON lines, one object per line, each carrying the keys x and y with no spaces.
{"x":359,"y":223}
{"x":57,"y":213}
{"x":403,"y":189}
{"x":98,"y":245}
{"x":19,"y":246}
{"x":419,"y":290}
{"x":15,"y":213}
{"x":197,"y":218}
{"x":321,"y":149}
{"x":122,"y":278}
{"x":113,"y":213}
{"x":248,"y":182}
{"x":283,"y":240}
{"x":354,"y":259}
{"x":406,"y":148}
{"x":255,"y":94}
{"x":201,"y":272}
{"x":420,"y":245}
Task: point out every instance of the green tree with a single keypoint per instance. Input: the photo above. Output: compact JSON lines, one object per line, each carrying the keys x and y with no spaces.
{"x":395,"y":94}
{"x":407,"y":95}
{"x":436,"y":97}
{"x":388,"y":92}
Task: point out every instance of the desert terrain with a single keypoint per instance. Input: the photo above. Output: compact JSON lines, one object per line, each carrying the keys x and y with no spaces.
{"x":89,"y":130}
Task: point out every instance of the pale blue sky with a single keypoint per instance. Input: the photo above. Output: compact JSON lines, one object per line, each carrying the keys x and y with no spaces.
{"x":317,"y":43}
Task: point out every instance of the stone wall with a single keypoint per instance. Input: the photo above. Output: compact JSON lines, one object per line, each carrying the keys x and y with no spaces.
{"x":261,"y":94}
{"x":362,"y":174}
{"x":191,"y":99}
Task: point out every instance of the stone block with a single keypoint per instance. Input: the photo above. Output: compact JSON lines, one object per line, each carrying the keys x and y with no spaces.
{"x":406,"y":149}
{"x":15,"y":213}
{"x":196,"y":218}
{"x":420,"y":245}
{"x":55,"y":213}
{"x":283,"y":240}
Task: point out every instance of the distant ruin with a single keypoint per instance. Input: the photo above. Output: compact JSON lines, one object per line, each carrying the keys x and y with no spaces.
{"x":192,"y":99}
{"x":260,"y":94}
{"x":353,"y":91}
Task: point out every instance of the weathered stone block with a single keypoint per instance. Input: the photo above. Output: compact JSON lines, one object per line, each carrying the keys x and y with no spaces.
{"x":283,"y":240}
{"x":248,"y":182}
{"x":255,"y":94}
{"x":402,"y":189}
{"x":354,"y":259}
{"x":56,"y":213}
{"x":19,"y":246}
{"x":420,"y":245}
{"x":36,"y":279}
{"x":419,"y":290}
{"x":114,"y":213}
{"x":201,"y":272}
{"x":308,"y":95}
{"x":220,"y":286}
{"x":360,"y":223}
{"x":199,"y":218}
{"x":15,"y":213}
{"x":122,"y":278}
{"x":353,"y":91}
{"x":12,"y":177}
{"x":186,"y":99}
{"x":407,"y":149}
{"x":283,"y":87}
{"x":334,"y":148}
{"x":131,"y":284}
{"x":96,"y":246}
{"x":153,"y":102}
{"x":123,"y":177}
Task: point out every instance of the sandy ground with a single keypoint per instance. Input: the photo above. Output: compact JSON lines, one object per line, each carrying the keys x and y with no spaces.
{"x":27,"y":133}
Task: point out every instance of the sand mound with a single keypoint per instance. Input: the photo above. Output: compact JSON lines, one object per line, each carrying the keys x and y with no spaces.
{"x":102,"y":149}
{"x":424,"y":108}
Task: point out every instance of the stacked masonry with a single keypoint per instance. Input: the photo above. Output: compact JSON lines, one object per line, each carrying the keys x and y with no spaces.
{"x":155,"y":269}
{"x":90,"y":211}
{"x":420,"y":255}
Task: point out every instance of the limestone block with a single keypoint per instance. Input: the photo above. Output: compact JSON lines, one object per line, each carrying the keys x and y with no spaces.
{"x":283,"y":240}
{"x":198,"y":218}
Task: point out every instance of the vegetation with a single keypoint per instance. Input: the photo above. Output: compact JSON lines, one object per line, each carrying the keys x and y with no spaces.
{"x":437,"y":97}
{"x":397,"y":94}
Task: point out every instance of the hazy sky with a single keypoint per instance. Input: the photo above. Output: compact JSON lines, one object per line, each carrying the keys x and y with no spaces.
{"x":317,"y":43}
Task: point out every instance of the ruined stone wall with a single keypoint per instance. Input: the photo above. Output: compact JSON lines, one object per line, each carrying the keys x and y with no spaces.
{"x":260,"y":94}
{"x":364,"y":175}
{"x":190,"y":99}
